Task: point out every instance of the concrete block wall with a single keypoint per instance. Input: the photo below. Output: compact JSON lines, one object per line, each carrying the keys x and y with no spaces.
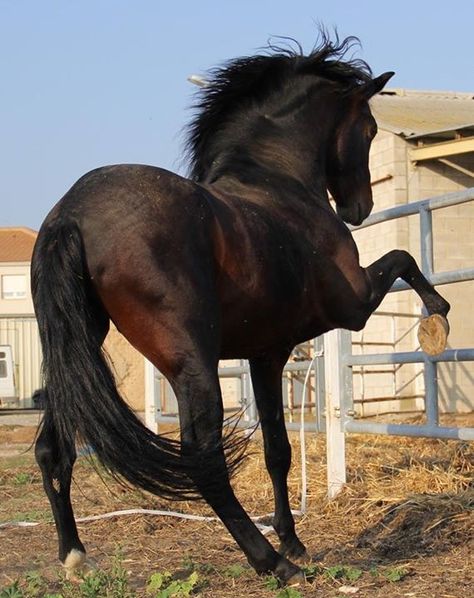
{"x":453,"y":228}
{"x":387,"y":333}
{"x":453,"y":234}
{"x":129,"y":368}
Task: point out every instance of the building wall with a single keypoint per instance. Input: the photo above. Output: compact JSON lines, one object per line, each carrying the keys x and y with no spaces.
{"x":453,"y":234}
{"x":129,"y":368}
{"x":397,"y":181}
{"x":16,"y":306}
{"x":18,"y":328}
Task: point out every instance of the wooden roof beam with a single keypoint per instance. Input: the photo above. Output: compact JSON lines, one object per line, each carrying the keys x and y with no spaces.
{"x":443,"y":149}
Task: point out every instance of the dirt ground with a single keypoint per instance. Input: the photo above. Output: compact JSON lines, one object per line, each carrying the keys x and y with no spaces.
{"x":403,"y":526}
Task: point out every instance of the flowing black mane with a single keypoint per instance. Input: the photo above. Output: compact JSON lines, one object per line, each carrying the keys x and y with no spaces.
{"x":243,"y":85}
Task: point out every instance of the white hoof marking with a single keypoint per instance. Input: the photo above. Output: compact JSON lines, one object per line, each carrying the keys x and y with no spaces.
{"x":73,"y":563}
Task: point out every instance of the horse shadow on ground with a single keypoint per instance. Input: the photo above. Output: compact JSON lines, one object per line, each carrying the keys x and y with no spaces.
{"x":420,"y":526}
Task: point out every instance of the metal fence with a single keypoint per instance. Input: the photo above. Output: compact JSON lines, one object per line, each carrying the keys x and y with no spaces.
{"x":161,"y":407}
{"x":339,"y":357}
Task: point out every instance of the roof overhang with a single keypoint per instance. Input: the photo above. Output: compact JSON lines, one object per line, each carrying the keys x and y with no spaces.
{"x":434,"y":151}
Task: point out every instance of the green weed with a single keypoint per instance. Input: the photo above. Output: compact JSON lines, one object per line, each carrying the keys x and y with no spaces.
{"x":395,"y":574}
{"x":272,"y":583}
{"x":162,"y":585}
{"x":22,"y":478}
{"x":343,"y":572}
{"x":12,"y":591}
{"x":35,"y":584}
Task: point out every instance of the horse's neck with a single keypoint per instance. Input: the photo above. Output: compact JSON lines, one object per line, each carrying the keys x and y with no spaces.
{"x":270,"y":188}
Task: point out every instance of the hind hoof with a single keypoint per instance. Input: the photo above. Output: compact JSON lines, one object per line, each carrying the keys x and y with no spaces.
{"x":73,"y":565}
{"x":433,"y":334}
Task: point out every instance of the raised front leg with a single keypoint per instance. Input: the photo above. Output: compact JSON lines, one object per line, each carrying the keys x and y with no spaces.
{"x":382,"y":274}
{"x":400,"y":264}
{"x":201,"y":418}
{"x":56,"y":469}
{"x":266,"y":374}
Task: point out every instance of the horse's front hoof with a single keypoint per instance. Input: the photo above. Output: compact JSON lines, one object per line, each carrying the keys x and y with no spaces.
{"x":295,"y":551}
{"x":433,"y":334}
{"x":288,"y":573}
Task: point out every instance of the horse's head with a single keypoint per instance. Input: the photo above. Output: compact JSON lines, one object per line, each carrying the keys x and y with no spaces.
{"x":306,"y":118}
{"x":348,"y":176}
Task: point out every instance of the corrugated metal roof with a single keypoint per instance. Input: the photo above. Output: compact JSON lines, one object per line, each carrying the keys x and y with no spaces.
{"x":16,"y":244}
{"x":421,"y":113}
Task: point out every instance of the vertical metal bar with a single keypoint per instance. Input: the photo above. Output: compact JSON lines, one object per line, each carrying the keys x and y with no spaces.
{"x":426,"y":240}
{"x":243,"y":394}
{"x":320,"y":383}
{"x":252,"y":407}
{"x":345,"y":373}
{"x":430,"y":371}
{"x":335,"y":440}
{"x":430,"y":374}
{"x":150,"y":397}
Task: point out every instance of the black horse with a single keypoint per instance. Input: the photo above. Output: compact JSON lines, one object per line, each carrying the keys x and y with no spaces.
{"x":244,"y":259}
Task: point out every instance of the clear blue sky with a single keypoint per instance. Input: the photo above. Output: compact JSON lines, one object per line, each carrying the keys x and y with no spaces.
{"x":90,"y":82}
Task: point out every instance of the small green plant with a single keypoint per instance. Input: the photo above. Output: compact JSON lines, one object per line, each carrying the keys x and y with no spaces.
{"x":312,"y":571}
{"x":272,"y":583}
{"x":35,"y":584}
{"x":22,"y":478}
{"x":162,"y":585}
{"x":104,"y":584}
{"x":94,"y":585}
{"x":189,"y":565}
{"x":344,"y":572}
{"x":12,"y":591}
{"x":395,"y":574}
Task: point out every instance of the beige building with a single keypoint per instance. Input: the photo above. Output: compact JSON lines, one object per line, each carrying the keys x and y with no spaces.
{"x":18,"y":328}
{"x":424,"y":148}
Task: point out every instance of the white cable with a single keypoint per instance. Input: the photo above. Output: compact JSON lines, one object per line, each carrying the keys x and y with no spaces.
{"x":265,"y":529}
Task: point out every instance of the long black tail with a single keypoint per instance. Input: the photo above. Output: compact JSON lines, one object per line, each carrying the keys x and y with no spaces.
{"x":82,"y":398}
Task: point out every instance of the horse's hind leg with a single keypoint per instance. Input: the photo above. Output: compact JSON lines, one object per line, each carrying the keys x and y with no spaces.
{"x":56,"y":468}
{"x":266,"y":379}
{"x":201,"y":418}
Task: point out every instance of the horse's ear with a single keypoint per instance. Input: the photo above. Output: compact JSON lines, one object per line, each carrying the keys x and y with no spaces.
{"x":376,"y":85}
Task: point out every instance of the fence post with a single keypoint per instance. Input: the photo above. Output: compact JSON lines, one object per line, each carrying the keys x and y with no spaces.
{"x":335,"y":440}
{"x":150,"y":397}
